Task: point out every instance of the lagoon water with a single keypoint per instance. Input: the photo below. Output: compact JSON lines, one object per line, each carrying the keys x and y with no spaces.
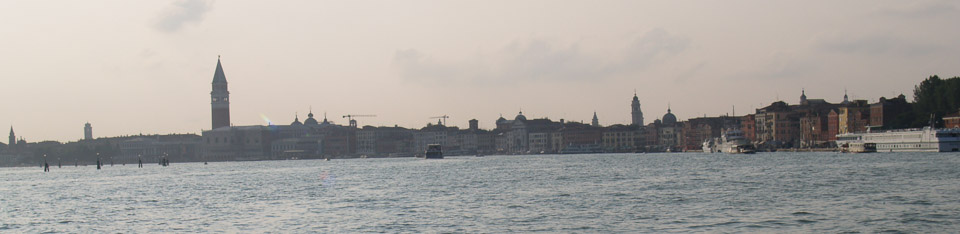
{"x":765,"y":192}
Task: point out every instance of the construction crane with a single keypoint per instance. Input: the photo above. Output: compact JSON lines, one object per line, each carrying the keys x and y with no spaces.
{"x":443,"y":117}
{"x":353,"y":122}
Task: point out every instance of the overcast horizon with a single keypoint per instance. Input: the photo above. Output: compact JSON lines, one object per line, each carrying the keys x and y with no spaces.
{"x":131,"y":67}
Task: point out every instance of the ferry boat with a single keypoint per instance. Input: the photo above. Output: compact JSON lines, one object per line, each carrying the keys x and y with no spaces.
{"x":904,"y":140}
{"x":433,"y":152}
{"x":733,"y":142}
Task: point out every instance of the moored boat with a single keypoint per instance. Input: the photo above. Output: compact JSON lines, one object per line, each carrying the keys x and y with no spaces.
{"x":733,"y":142}
{"x":902,"y":140}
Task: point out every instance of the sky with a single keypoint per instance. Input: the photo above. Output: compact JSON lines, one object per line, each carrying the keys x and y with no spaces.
{"x":145,"y":67}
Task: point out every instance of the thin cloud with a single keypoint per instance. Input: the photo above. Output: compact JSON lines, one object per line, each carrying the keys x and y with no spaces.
{"x":181,"y":13}
{"x":922,"y":10}
{"x":878,"y":44}
{"x":540,"y":60}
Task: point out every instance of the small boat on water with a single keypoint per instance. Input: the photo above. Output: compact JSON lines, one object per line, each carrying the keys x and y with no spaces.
{"x":434,"y":151}
{"x":709,"y":146}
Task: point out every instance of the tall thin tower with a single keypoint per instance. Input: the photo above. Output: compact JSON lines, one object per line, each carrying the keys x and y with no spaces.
{"x":13,"y":138}
{"x":87,"y":131}
{"x":220,"y":98}
{"x":635,"y":111}
{"x":595,"y":122}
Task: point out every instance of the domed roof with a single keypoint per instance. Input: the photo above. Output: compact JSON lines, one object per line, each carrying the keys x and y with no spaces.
{"x":296,"y":121}
{"x":310,"y":120}
{"x":520,"y":117}
{"x":669,"y":118}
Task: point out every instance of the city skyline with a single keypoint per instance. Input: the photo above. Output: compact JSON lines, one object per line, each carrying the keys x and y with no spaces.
{"x":549,"y":64}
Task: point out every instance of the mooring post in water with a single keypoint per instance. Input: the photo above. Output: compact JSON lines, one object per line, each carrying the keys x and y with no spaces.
{"x":98,"y":161}
{"x":139,"y":161}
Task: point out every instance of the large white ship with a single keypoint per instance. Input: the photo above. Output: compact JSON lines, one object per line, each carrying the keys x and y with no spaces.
{"x":905,"y":140}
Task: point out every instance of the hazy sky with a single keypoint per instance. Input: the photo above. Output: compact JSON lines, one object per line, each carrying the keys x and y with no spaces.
{"x":132,"y":67}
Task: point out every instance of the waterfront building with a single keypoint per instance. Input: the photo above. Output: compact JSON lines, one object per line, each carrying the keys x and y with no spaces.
{"x":777,"y":124}
{"x":668,"y":131}
{"x":697,"y":130}
{"x":952,"y":120}
{"x":814,"y":129}
{"x":438,"y":134}
{"x":748,"y":125}
{"x":651,"y":137}
{"x":385,"y":141}
{"x":175,"y":147}
{"x":884,"y":112}
{"x":236,"y":143}
{"x":833,"y":125}
{"x":577,"y":136}
{"x":620,"y":138}
{"x":853,"y":117}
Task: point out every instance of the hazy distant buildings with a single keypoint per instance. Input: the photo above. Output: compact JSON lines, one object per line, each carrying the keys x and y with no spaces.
{"x":175,"y":147}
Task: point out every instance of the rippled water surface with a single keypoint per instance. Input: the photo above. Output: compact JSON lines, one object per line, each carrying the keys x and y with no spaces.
{"x":767,"y":192}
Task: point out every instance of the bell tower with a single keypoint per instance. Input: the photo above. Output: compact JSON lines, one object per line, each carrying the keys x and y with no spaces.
{"x":220,"y":98}
{"x":635,"y":111}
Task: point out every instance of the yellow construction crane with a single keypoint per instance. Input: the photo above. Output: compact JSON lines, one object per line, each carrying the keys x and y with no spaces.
{"x":353,"y":122}
{"x":443,"y":117}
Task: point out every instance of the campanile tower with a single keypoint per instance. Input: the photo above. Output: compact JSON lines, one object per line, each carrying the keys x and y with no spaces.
{"x":636,"y":114}
{"x":220,"y":98}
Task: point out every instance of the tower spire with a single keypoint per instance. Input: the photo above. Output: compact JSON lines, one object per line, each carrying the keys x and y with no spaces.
{"x":13,"y":138}
{"x":803,"y":96}
{"x":595,"y":122}
{"x":220,"y":98}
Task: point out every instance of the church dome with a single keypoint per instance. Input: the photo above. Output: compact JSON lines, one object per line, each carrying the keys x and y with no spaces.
{"x":310,"y":120}
{"x":296,"y":122}
{"x":669,"y":118}
{"x":520,"y":117}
